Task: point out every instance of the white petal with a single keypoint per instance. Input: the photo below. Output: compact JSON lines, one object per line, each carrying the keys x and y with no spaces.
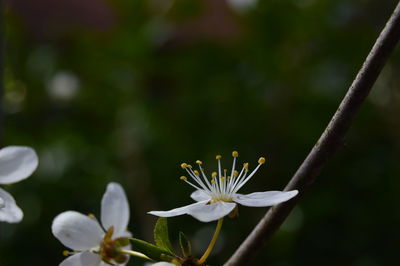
{"x":82,"y":259}
{"x":178,"y":211}
{"x":162,"y":263}
{"x":212,"y":212}
{"x":16,"y":163}
{"x":77,"y":231}
{"x":115,"y":209}
{"x":200,"y":195}
{"x":264,"y":199}
{"x":9,"y":212}
{"x":102,"y":263}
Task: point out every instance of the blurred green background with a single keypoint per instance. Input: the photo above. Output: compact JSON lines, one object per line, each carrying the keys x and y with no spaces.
{"x":127,"y":90}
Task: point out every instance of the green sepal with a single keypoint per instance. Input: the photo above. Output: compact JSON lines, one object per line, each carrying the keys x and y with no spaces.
{"x":185,"y":245}
{"x":152,"y":251}
{"x":122,"y":241}
{"x":161,"y":236}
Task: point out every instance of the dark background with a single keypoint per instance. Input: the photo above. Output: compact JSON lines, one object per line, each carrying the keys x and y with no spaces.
{"x":127,"y":90}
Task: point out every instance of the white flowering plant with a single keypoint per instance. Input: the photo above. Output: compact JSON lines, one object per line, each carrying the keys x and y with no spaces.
{"x":109,"y":242}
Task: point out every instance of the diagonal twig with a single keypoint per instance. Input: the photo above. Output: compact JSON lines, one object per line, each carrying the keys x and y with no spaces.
{"x":2,"y":63}
{"x":329,"y":142}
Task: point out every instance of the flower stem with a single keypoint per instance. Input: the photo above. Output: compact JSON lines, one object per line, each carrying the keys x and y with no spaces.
{"x":135,"y":254}
{"x":212,"y":242}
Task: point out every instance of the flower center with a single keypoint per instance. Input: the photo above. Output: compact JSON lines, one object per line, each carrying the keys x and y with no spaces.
{"x":223,"y":184}
{"x":111,"y":249}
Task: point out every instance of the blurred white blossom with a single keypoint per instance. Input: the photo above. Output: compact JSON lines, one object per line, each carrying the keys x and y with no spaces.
{"x":16,"y":164}
{"x":242,"y":5}
{"x":63,"y":86}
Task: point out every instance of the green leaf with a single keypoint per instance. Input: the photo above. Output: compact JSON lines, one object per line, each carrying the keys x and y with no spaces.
{"x":161,"y":236}
{"x":186,"y":247}
{"x":151,"y":251}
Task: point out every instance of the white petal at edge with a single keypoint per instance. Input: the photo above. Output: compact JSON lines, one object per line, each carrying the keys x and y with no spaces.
{"x":10,"y":212}
{"x":212,"y":212}
{"x":16,"y":163}
{"x":115,"y":209}
{"x":162,"y":263}
{"x":178,"y":211}
{"x":77,"y":231}
{"x":200,"y":195}
{"x":264,"y":199}
{"x":82,"y":259}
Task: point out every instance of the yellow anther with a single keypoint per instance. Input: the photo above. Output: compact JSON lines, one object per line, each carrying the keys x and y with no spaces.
{"x":196,"y":172}
{"x":184,"y":165}
{"x":66,"y":253}
{"x":189,"y":166}
{"x":235,"y":173}
{"x":246,"y":166}
{"x":214,"y":174}
{"x":218,"y":157}
{"x":183,"y":178}
{"x":235,"y":154}
{"x":213,"y":181}
{"x":223,"y":178}
{"x":229,"y":177}
{"x":261,"y":160}
{"x":199,"y":162}
{"x":91,"y":216}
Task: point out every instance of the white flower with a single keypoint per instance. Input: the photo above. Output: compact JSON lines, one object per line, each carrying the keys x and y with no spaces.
{"x":95,"y":244}
{"x":218,"y":197}
{"x":16,"y":164}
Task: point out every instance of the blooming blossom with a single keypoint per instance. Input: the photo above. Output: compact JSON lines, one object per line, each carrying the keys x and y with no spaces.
{"x":218,"y":197}
{"x":16,"y":163}
{"x":94,"y":244}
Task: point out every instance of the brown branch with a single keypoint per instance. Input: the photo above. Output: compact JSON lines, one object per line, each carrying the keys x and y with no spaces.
{"x":2,"y":64}
{"x":329,"y":142}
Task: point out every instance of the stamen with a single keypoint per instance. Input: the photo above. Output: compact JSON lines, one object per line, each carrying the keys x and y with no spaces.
{"x":206,"y":179}
{"x":222,"y":185}
{"x":184,"y":178}
{"x":67,"y":253}
{"x":248,"y":178}
{"x":218,"y":157}
{"x":235,"y":154}
{"x":241,"y":176}
{"x":196,"y":178}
